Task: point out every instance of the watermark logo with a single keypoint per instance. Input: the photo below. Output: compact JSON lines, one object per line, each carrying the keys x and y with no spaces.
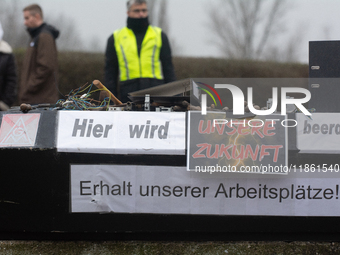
{"x":238,"y":99}
{"x":204,"y":96}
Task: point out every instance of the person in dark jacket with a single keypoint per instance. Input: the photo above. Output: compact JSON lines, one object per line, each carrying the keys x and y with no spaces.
{"x":139,"y":54}
{"x":8,"y":75}
{"x":38,"y":82}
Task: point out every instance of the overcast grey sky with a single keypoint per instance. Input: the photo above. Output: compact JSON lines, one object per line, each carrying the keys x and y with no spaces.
{"x":97,"y":19}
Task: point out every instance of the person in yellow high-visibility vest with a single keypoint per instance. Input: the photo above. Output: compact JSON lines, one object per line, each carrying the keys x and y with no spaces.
{"x":138,"y":54}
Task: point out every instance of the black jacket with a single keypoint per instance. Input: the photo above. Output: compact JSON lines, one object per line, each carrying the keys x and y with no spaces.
{"x":8,"y":75}
{"x":112,"y":68}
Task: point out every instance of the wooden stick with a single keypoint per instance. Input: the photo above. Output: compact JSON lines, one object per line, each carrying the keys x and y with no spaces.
{"x":99,"y":85}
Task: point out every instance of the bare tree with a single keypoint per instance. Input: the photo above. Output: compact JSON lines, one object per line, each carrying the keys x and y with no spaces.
{"x":288,"y":51}
{"x":158,"y":16}
{"x":243,"y":28}
{"x":163,"y":21}
{"x":151,"y":10}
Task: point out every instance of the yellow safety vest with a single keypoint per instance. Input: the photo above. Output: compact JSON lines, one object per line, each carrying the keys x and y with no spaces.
{"x":132,"y":66}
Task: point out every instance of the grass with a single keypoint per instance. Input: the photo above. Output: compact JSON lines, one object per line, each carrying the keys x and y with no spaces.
{"x":167,"y":248}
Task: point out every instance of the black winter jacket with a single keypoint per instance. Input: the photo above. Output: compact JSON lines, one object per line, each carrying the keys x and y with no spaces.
{"x":39,"y":72}
{"x":8,"y":75}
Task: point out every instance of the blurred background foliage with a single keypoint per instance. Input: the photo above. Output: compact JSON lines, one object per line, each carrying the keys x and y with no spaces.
{"x":79,"y":68}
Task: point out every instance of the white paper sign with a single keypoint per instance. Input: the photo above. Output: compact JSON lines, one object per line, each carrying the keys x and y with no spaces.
{"x":121,"y":132}
{"x":173,"y":190}
{"x":318,"y":134}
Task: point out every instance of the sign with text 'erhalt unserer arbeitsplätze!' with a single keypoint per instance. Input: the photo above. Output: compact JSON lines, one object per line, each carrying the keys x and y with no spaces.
{"x":173,"y":190}
{"x":121,"y":132}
